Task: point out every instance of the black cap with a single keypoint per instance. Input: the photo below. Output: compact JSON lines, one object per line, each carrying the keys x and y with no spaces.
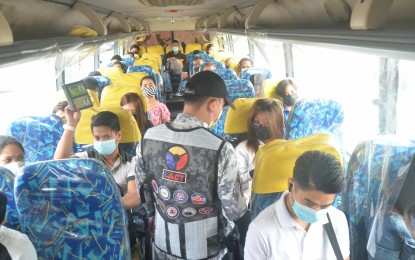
{"x":208,"y":84}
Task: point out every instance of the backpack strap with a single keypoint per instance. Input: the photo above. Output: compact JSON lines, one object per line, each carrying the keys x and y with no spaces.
{"x":328,"y":227}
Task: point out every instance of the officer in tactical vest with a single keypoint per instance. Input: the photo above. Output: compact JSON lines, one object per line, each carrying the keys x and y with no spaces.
{"x":192,"y":176}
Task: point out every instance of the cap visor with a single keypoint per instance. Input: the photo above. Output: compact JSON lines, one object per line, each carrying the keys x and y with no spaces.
{"x":229,"y":103}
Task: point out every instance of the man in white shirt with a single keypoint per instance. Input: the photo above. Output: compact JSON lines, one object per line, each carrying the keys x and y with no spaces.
{"x":293,"y":227}
{"x":13,"y":244}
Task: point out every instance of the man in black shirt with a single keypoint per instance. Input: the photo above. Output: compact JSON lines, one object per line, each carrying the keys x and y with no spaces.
{"x":173,"y":63}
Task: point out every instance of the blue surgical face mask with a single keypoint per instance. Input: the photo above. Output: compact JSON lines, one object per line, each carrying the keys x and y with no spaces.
{"x":305,"y":213}
{"x":175,"y":48}
{"x":105,"y":147}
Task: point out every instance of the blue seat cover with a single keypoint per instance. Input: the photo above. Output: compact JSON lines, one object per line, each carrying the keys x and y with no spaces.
{"x":72,"y":208}
{"x":7,"y":187}
{"x":38,"y":135}
{"x":103,"y":81}
{"x":246,"y":74}
{"x":226,"y":74}
{"x":373,"y":165}
{"x":239,"y":88}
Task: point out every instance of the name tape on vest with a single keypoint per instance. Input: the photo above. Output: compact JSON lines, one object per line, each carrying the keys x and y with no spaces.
{"x":174,"y":176}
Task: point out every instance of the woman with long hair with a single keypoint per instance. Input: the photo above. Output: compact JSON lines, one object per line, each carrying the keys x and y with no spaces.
{"x":133,"y":103}
{"x":287,"y":92}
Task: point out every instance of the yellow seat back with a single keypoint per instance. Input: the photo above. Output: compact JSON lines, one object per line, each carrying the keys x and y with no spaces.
{"x":270,"y":87}
{"x":169,"y":48}
{"x":137,"y":56}
{"x":275,"y":161}
{"x":237,"y":120}
{"x":131,"y":79}
{"x":151,"y":63}
{"x":141,"y":50}
{"x":129,"y":128}
{"x":94,"y":98}
{"x":153,"y":57}
{"x":111,"y":95}
{"x":193,"y":47}
{"x":157,"y":49}
{"x":112,"y":73}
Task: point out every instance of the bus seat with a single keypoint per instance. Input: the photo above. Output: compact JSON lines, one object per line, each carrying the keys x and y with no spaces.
{"x":226,"y":74}
{"x":275,"y":163}
{"x":372,"y":168}
{"x":143,"y":68}
{"x":270,"y":87}
{"x":152,"y":56}
{"x":129,"y":129}
{"x":239,"y":88}
{"x":205,"y":57}
{"x":38,"y":135}
{"x":141,"y":51}
{"x":151,"y":63}
{"x":169,"y":49}
{"x":190,"y":47}
{"x":111,"y":96}
{"x":128,"y":61}
{"x":112,"y":73}
{"x":94,"y":98}
{"x":132,"y":79}
{"x":7,"y":188}
{"x":157,"y":49}
{"x":246,"y":74}
{"x":103,"y":81}
{"x":72,"y":208}
{"x":315,"y":115}
{"x":237,"y":120}
{"x":205,"y":44}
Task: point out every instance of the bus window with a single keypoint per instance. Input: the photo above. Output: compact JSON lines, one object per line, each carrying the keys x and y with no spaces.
{"x":240,"y":46}
{"x":79,"y":70}
{"x":270,"y":54}
{"x":27,"y":89}
{"x":350,"y":78}
{"x":406,"y":94}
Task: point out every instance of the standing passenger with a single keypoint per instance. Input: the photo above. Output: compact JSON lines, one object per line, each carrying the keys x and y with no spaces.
{"x":193,"y":176}
{"x":292,"y":227}
{"x":158,"y":112}
{"x":287,"y":91}
{"x":13,"y":244}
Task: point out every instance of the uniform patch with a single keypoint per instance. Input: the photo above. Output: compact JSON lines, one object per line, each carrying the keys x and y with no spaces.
{"x":172,"y":211}
{"x":155,"y":186}
{"x":177,"y":158}
{"x":189,"y":212}
{"x":205,"y":211}
{"x":161,"y":205}
{"x":174,"y":176}
{"x":164,"y":193}
{"x":180,"y":196}
{"x":198,"y":198}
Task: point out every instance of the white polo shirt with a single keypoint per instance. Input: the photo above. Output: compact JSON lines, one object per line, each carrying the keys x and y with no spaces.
{"x":275,"y":235}
{"x":17,"y":244}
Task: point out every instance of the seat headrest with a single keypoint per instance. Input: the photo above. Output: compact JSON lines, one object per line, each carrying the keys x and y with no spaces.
{"x":111,"y":95}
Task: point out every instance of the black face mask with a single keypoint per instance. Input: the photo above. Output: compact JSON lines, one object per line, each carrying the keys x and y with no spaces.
{"x":262,"y":132}
{"x":290,"y":100}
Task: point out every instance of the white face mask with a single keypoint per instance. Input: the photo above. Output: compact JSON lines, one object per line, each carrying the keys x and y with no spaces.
{"x":214,"y":122}
{"x":14,"y":166}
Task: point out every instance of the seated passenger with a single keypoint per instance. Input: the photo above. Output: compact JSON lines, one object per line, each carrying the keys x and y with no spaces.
{"x":11,"y":153}
{"x":229,"y":62}
{"x":118,"y":64}
{"x":287,"y":91}
{"x":210,"y":49}
{"x":13,"y":244}
{"x":209,"y":66}
{"x":133,"y":103}
{"x":393,"y":238}
{"x":134,"y":48}
{"x":90,"y":83}
{"x":158,"y":112}
{"x":244,"y":63}
{"x":116,"y":58}
{"x":106,"y":130}
{"x":265,"y":123}
{"x":130,"y":54}
{"x":173,"y":63}
{"x":59,"y":109}
{"x":257,"y":81}
{"x":94,"y":73}
{"x":292,"y":227}
{"x":186,"y":73}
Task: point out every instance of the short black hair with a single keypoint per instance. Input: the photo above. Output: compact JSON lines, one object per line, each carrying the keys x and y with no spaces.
{"x":147,"y":77}
{"x":320,"y":171}
{"x":6,"y":140}
{"x":108,"y":119}
{"x":116,"y":57}
{"x":134,"y":46}
{"x":245,"y":59}
{"x":175,"y":41}
{"x":94,"y":73}
{"x":60,"y":106}
{"x":3,"y":204}
{"x":90,"y":83}
{"x":195,"y":100}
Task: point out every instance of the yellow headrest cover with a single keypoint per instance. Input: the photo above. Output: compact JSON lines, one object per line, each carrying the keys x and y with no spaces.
{"x":237,"y":120}
{"x":193,"y":47}
{"x":82,"y":31}
{"x":275,"y":161}
{"x":270,"y":88}
{"x":129,"y":128}
{"x":131,"y":79}
{"x":152,"y":56}
{"x":111,"y":95}
{"x":151,"y":63}
{"x":112,"y":73}
{"x":141,"y":50}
